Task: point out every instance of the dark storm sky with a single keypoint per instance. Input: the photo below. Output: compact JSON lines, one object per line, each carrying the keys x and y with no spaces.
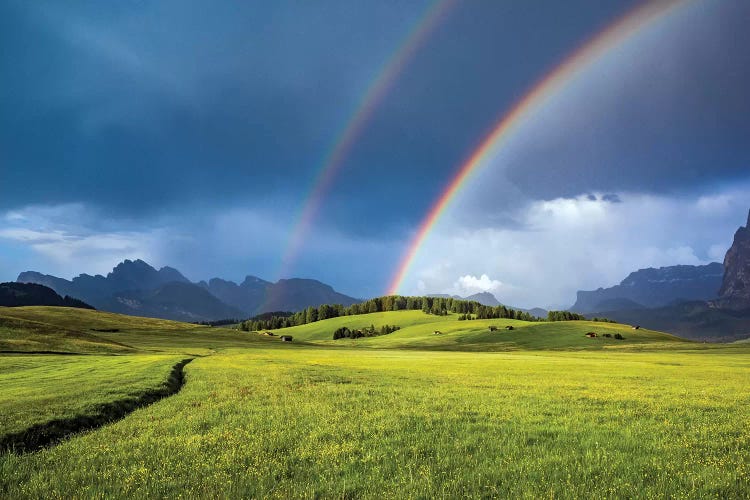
{"x":190,"y":133}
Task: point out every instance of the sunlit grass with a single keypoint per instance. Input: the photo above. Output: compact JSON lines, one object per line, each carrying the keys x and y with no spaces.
{"x":556,"y":415}
{"x":306,"y":422}
{"x":37,"y":389}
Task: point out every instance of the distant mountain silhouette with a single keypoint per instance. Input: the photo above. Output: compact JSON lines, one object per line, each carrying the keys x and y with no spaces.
{"x":175,"y":300}
{"x":654,"y":288}
{"x":484,"y":298}
{"x":256,"y":296}
{"x":136,"y":288}
{"x":295,"y":294}
{"x":31,"y":294}
{"x":248,"y":296}
{"x":127,"y":276}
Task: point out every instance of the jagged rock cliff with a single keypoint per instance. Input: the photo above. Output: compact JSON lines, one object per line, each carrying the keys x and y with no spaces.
{"x":735,"y":288}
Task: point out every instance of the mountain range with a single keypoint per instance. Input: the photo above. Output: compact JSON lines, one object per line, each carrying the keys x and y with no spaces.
{"x":651,"y":288}
{"x":136,"y":288}
{"x":710,"y":302}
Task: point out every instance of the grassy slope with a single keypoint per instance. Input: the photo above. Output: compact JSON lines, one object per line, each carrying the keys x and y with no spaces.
{"x":37,"y":389}
{"x":417,"y":331}
{"x":60,"y":329}
{"x":373,"y":423}
{"x":86,"y":319}
{"x":144,"y":334}
{"x":20,"y":335}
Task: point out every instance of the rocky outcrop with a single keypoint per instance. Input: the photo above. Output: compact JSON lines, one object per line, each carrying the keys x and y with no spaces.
{"x":735,"y":289}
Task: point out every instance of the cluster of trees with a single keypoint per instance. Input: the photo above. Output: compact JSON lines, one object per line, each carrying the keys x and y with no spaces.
{"x":497,"y":312}
{"x":603,"y":320}
{"x":371,"y":331}
{"x":564,"y":316}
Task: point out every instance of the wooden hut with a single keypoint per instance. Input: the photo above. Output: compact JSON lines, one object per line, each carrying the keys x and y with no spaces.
{"x":286,"y":338}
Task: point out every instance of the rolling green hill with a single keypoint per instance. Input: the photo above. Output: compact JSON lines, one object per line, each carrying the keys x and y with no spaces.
{"x":86,"y":319}
{"x":35,"y":329}
{"x":418,"y":332}
{"x":83,"y":331}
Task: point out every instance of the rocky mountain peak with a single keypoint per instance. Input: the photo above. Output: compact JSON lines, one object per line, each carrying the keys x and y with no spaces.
{"x":735,"y":288}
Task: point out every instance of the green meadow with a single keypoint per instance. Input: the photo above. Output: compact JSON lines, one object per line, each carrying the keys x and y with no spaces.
{"x":540,"y":410}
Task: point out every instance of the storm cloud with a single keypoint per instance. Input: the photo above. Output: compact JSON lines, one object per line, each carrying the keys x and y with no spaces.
{"x":190,"y":134}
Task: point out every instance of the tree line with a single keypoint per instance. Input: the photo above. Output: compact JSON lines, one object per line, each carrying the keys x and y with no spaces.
{"x":439,"y":306}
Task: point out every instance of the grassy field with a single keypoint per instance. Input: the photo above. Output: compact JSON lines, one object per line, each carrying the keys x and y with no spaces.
{"x":46,"y":387}
{"x":410,"y":414}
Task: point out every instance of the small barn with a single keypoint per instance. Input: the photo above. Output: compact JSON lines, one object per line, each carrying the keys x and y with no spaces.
{"x":637,"y":327}
{"x":493,"y":328}
{"x":591,"y":335}
{"x":286,"y":338}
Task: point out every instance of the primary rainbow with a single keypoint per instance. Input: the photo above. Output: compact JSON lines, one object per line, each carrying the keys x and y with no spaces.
{"x":611,"y":37}
{"x":372,"y":96}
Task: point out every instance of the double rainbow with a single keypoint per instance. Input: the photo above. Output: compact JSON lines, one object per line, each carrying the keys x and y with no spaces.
{"x":372,"y":97}
{"x":625,"y":28}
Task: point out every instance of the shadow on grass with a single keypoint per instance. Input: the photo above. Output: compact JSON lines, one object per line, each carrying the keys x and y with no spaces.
{"x":50,"y":433}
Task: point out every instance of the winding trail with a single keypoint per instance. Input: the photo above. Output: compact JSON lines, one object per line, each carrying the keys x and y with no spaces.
{"x":53,"y":432}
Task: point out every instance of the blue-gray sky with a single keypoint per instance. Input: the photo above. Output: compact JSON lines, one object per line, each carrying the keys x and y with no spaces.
{"x":189,"y":134}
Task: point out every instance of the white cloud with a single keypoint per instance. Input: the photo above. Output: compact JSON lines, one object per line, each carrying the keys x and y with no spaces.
{"x":63,"y":240}
{"x":568,"y":244}
{"x":721,"y":204}
{"x":469,"y":285}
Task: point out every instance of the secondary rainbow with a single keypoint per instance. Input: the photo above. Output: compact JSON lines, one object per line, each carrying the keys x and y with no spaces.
{"x":372,"y":96}
{"x":611,"y":37}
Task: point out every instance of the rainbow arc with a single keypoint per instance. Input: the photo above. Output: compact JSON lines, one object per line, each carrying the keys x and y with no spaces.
{"x":622,"y":30}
